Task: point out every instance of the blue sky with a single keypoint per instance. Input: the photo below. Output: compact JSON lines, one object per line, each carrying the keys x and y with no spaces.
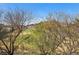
{"x":42,"y":9}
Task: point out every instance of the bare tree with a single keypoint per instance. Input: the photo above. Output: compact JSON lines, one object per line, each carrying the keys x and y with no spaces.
{"x":15,"y":21}
{"x":71,"y":41}
{"x":52,"y":36}
{"x":59,"y":37}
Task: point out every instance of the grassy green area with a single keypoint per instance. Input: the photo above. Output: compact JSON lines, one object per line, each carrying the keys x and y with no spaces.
{"x":28,"y":38}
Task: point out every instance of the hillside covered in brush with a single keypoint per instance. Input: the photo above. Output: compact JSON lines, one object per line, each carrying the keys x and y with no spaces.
{"x":49,"y":37}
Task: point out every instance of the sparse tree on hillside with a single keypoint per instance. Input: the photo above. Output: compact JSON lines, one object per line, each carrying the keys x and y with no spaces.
{"x":15,"y":20}
{"x":58,"y":37}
